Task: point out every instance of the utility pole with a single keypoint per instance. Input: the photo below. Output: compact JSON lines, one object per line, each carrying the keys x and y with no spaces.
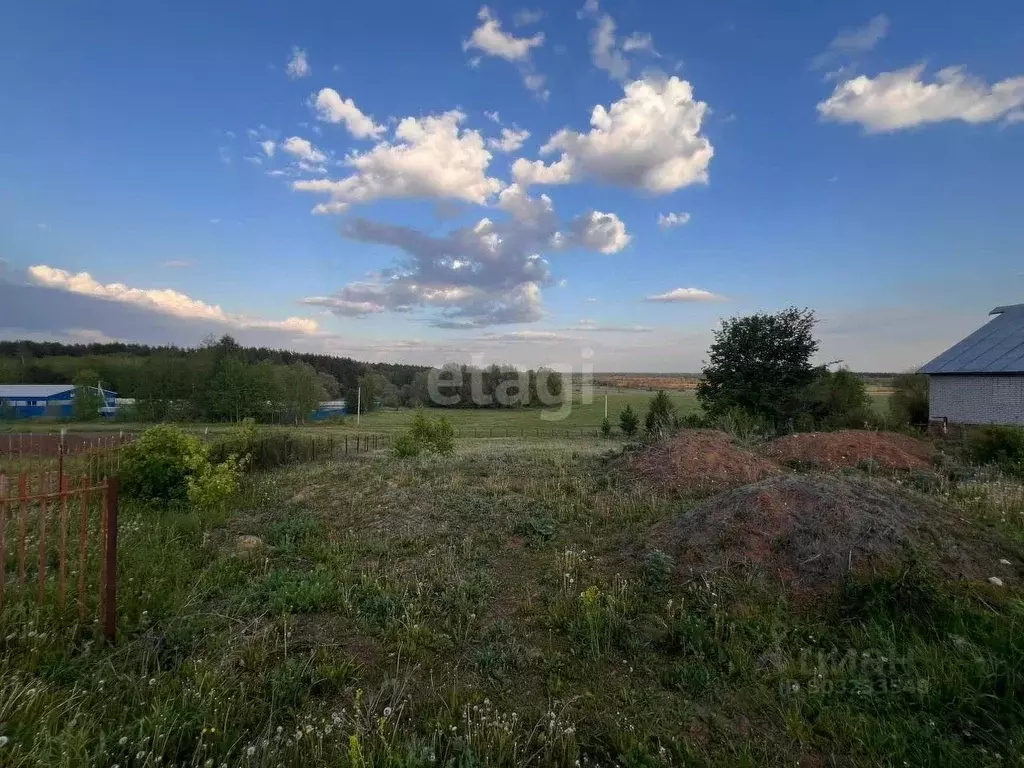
{"x":606,"y":405}
{"x":359,"y":403}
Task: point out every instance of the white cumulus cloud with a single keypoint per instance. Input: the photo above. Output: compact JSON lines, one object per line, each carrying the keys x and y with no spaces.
{"x":298,"y":64}
{"x":491,"y":273}
{"x":686,"y":294}
{"x":650,"y":139}
{"x":268,"y":147}
{"x":669,"y":220}
{"x":491,"y":40}
{"x":609,"y":52}
{"x":432,"y":158}
{"x":303,"y":149}
{"x":162,"y":300}
{"x":511,"y":140}
{"x":903,"y":99}
{"x":332,"y":108}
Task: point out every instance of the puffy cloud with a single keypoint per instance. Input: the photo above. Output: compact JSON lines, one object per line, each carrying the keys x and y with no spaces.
{"x":332,"y":108}
{"x":639,"y":42}
{"x":669,"y":220}
{"x":893,"y":101}
{"x":850,"y":42}
{"x":606,"y":51}
{"x":686,"y":294}
{"x":492,"y":41}
{"x":298,"y":64}
{"x":163,"y":300}
{"x":432,"y":158}
{"x":604,"y":232}
{"x":511,"y":140}
{"x":650,"y":139}
{"x":309,"y":157}
{"x":493,"y":116}
{"x":268,"y":147}
{"x":490,"y":273}
{"x":606,"y":54}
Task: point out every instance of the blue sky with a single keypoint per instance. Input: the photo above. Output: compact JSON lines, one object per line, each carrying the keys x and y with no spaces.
{"x":863,"y":160}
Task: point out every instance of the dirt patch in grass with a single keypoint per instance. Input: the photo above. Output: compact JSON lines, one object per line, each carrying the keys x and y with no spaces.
{"x":809,"y":530}
{"x":701,"y":460}
{"x":851,"y":447}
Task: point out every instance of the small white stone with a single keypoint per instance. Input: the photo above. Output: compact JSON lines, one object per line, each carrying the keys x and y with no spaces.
{"x":995,"y":580}
{"x":1004,"y":561}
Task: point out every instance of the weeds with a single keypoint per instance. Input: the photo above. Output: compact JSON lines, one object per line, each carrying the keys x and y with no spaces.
{"x":498,"y":610}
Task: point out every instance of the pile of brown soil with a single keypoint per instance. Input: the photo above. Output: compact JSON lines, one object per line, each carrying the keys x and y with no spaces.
{"x":700,"y":460}
{"x":850,"y":447}
{"x":810,"y":529}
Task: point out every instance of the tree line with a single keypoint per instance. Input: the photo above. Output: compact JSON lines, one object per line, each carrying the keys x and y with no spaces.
{"x":222,"y":381}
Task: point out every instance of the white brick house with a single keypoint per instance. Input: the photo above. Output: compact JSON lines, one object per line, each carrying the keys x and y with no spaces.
{"x":981,"y":379}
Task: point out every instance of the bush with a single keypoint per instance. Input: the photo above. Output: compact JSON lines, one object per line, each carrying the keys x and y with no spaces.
{"x":158,"y":465}
{"x":661,"y":415}
{"x":1003,"y":446}
{"x":909,"y":401}
{"x":838,"y":400}
{"x":260,"y":449}
{"x":744,"y":427}
{"x":606,"y":427}
{"x":425,"y":435}
{"x":629,"y":422}
{"x":166,"y":464}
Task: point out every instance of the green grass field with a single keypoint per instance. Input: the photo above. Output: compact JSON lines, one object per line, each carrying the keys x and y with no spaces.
{"x":483,"y":422}
{"x":501,"y":607}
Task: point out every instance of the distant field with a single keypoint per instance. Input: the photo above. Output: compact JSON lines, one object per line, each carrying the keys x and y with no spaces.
{"x":467,"y":422}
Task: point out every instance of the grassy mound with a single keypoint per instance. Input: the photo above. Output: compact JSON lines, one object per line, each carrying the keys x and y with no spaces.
{"x":810,"y":530}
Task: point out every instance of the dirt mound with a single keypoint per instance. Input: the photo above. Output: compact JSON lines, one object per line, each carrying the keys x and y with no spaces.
{"x":850,"y":447}
{"x":701,"y":460}
{"x":811,"y":529}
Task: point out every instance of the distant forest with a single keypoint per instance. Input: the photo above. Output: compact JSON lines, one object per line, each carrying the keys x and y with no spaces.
{"x":222,"y":381}
{"x":217,"y":380}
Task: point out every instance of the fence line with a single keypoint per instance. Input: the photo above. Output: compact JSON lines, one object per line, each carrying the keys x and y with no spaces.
{"x":48,"y":505}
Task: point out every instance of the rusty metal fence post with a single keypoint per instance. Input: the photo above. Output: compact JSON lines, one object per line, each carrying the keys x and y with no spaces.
{"x":109,"y":579}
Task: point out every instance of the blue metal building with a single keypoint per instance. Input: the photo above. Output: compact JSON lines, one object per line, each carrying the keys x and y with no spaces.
{"x":33,"y":401}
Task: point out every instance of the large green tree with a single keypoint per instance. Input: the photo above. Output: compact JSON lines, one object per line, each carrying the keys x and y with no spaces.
{"x":760,"y":364}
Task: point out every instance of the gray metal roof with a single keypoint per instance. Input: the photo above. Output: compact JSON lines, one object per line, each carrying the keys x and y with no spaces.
{"x":996,"y":347}
{"x":33,"y":391}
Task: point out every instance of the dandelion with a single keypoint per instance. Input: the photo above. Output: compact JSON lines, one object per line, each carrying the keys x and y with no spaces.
{"x":3,"y":741}
{"x":387,"y":711}
{"x":152,"y":681}
{"x":250,"y":750}
{"x":123,"y":740}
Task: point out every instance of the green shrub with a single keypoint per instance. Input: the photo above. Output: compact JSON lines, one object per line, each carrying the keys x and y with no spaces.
{"x":425,"y":435}
{"x":908,"y":403}
{"x":606,"y":427}
{"x":838,"y":400}
{"x":158,"y":465}
{"x":999,"y":445}
{"x":661,"y":415}
{"x":166,"y":464}
{"x":629,"y":422}
{"x":260,"y":449}
{"x":743,"y":426}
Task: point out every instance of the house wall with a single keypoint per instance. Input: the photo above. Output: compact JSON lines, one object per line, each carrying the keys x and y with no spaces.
{"x":978,"y":399}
